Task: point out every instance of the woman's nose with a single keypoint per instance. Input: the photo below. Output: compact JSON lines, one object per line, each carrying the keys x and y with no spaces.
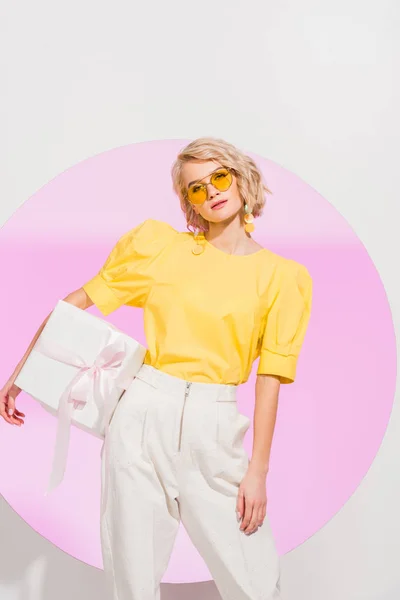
{"x":212,"y":191}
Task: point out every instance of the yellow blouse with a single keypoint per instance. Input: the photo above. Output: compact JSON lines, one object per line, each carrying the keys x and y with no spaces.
{"x":207,"y":317}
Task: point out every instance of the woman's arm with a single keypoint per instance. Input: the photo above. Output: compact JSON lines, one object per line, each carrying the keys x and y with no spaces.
{"x":9,"y":391}
{"x":266,"y":405}
{"x":251,"y":504}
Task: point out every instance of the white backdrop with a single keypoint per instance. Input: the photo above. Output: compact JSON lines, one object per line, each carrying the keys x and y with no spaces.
{"x":310,"y":85}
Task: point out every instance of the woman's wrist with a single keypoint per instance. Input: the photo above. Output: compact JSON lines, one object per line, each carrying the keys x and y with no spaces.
{"x":258,"y":467}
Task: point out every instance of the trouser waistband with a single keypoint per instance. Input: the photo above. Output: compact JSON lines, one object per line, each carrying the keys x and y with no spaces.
{"x":214,"y":392}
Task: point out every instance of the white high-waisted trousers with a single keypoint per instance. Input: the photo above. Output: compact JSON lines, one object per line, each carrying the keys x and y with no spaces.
{"x":175,"y":452}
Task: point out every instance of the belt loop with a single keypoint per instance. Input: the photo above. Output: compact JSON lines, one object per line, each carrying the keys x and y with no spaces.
{"x":155,"y":377}
{"x":232,"y":392}
{"x":226,"y":393}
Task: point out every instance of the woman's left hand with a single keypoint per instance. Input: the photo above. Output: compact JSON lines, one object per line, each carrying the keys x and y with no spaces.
{"x":251,"y":505}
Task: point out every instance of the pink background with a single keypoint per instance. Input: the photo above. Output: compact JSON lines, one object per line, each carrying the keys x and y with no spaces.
{"x":330,"y":421}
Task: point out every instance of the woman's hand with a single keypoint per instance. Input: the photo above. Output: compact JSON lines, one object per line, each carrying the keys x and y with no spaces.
{"x":7,"y":404}
{"x":251,"y":505}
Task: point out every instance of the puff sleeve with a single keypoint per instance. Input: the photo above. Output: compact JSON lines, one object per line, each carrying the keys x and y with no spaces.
{"x":125,"y":274}
{"x":286,"y":323}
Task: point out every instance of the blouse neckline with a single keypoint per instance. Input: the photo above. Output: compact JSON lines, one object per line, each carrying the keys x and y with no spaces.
{"x":210,"y":245}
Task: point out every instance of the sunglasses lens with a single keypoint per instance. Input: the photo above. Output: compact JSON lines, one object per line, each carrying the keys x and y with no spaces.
{"x":197,"y":194}
{"x":222,"y":180}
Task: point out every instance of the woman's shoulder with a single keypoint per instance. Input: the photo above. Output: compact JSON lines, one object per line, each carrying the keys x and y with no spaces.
{"x":288,"y":278}
{"x":145,"y":238}
{"x":149,"y":231}
{"x":154,"y":227}
{"x":287,"y":267}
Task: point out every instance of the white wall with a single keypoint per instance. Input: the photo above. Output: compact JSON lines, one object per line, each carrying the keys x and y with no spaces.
{"x":310,"y":85}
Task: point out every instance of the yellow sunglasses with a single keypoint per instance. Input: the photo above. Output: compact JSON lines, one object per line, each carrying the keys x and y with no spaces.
{"x":221,"y":179}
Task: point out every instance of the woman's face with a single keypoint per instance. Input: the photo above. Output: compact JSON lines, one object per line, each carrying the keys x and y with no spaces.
{"x":194,"y":171}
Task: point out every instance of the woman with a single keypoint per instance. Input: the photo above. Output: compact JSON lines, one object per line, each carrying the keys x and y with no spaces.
{"x":213,"y":302}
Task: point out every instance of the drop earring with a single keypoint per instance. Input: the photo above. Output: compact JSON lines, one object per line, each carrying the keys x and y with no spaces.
{"x":200,"y":241}
{"x":248,"y":219}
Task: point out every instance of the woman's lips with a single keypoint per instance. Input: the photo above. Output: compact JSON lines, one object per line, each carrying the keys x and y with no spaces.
{"x":219,"y":205}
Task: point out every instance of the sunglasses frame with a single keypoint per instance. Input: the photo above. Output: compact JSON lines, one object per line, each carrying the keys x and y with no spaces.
{"x":229,"y":169}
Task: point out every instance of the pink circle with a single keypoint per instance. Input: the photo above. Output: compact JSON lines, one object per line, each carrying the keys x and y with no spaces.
{"x":330,"y":421}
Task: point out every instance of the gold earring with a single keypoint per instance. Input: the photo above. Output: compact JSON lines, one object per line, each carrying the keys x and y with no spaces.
{"x":200,"y":241}
{"x":248,"y":219}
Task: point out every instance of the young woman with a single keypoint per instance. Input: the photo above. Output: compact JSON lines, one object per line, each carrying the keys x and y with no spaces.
{"x":214,"y":301}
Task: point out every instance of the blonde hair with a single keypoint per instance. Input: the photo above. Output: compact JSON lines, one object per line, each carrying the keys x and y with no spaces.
{"x":249,"y":178}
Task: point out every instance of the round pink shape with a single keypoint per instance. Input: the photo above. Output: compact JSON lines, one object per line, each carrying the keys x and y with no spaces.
{"x":330,"y":421}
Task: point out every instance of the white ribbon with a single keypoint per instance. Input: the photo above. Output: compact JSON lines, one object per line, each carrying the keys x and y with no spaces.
{"x":92,"y":383}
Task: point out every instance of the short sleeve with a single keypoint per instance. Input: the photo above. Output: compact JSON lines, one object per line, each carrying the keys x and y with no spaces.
{"x":122,"y":278}
{"x":286,"y":323}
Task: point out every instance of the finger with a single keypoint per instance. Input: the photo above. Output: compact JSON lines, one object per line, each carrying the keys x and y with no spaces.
{"x":11,"y":412}
{"x":252,"y":527}
{"x":240,"y":504}
{"x":17,"y":420}
{"x":3,"y":413}
{"x":14,"y":420}
{"x":18,"y":415}
{"x":248,"y":511}
{"x":260,"y":519}
{"x":10,"y":405}
{"x":250,"y":531}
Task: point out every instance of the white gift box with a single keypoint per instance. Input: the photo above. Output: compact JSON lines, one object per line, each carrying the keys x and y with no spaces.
{"x":78,"y":370}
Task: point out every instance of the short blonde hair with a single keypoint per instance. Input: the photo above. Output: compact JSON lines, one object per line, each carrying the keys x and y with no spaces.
{"x":249,"y":178}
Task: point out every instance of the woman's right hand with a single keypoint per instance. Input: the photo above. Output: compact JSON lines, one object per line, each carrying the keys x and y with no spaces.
{"x":8,"y":411}
{"x":10,"y":391}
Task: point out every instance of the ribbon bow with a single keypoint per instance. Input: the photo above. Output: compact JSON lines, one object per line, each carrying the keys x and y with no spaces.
{"x":92,"y":383}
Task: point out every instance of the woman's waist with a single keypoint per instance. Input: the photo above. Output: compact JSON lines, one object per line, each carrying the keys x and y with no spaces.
{"x":161,"y":379}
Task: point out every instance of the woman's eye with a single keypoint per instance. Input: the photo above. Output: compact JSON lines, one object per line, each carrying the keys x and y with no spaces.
{"x":196,"y":188}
